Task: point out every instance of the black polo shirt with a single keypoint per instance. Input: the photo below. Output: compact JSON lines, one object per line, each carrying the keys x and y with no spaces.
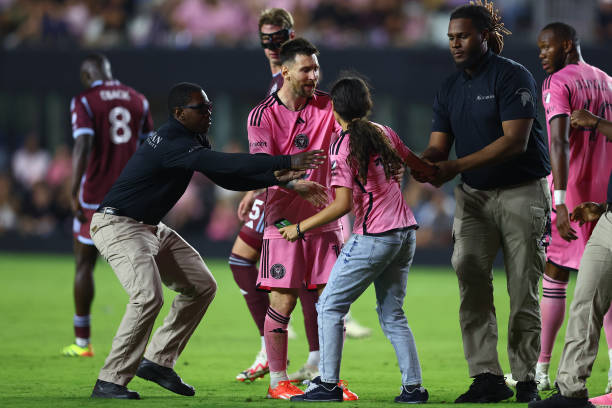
{"x":471,"y":110}
{"x":157,"y":175}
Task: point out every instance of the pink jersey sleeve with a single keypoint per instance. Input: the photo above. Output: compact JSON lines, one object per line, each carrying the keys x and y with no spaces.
{"x":81,"y":117}
{"x":341,"y":172}
{"x":259,"y":133}
{"x":555,"y":97}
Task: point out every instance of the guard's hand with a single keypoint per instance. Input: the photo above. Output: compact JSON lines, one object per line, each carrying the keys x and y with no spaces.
{"x":285,"y":176}
{"x":289,"y":232}
{"x":447,"y":170}
{"x":587,"y":212}
{"x":77,"y":210}
{"x":583,"y":118}
{"x":244,"y":207}
{"x":307,"y":160}
{"x":311,"y":191}
{"x":563,"y":224}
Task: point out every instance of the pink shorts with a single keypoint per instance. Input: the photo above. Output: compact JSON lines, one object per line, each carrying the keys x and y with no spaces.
{"x":252,"y":230}
{"x":81,"y":230}
{"x":567,"y":254}
{"x":309,"y":262}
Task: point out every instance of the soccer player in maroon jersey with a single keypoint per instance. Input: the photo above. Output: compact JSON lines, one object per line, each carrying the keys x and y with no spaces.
{"x":108,"y":118}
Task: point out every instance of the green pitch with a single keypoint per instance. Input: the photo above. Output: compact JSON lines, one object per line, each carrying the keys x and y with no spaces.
{"x":36,"y":322}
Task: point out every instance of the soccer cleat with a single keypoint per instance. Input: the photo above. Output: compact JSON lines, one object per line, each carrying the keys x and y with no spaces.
{"x":559,"y":401}
{"x":347,"y":395}
{"x":527,"y":391}
{"x":304,"y":373}
{"x":486,"y":387}
{"x":75,"y":351}
{"x":602,"y":401}
{"x":416,"y":395}
{"x":542,"y":378}
{"x":258,"y":369}
{"x":284,"y":390}
{"x":354,"y":330}
{"x":319,"y":391}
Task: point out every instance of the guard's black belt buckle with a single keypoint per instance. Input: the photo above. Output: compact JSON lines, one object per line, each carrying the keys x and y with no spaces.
{"x":108,"y":210}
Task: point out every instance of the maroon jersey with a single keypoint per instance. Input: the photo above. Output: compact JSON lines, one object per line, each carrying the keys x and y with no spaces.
{"x":117,"y":116}
{"x":276,"y":83}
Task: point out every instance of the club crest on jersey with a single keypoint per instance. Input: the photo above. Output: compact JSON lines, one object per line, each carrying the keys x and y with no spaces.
{"x":301,"y":141}
{"x":278,"y":271}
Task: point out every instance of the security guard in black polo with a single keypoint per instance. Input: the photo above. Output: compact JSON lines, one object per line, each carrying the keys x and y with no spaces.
{"x":488,"y":110}
{"x":144,"y":252}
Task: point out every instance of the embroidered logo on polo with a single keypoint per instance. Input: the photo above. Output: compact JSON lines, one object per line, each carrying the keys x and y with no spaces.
{"x":525,"y":96}
{"x":485,"y":97}
{"x":277,"y":271}
{"x":301,"y":141}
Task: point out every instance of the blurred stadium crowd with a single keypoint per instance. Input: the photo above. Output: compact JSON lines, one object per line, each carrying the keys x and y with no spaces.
{"x":35,"y":200}
{"x":201,"y":23}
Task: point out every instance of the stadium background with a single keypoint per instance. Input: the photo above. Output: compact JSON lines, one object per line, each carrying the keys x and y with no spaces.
{"x":399,"y":45}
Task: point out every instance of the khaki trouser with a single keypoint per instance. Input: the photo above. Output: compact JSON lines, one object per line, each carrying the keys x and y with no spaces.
{"x":516,"y":220}
{"x":592,"y":298}
{"x":143,"y":256}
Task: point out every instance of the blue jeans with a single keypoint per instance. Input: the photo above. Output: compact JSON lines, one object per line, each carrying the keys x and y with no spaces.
{"x":384,"y":260}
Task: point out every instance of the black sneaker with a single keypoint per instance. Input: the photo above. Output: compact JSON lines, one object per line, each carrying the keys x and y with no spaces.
{"x":412,"y":395}
{"x":486,"y":388}
{"x":527,"y":391}
{"x":559,"y":401}
{"x":164,"y":376}
{"x":105,"y":389}
{"x":319,"y":391}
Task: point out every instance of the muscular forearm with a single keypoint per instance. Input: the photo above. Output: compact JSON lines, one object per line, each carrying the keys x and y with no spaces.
{"x":80,"y":153}
{"x":239,"y":164}
{"x":499,"y":151}
{"x":559,"y":158}
{"x":433,"y":154}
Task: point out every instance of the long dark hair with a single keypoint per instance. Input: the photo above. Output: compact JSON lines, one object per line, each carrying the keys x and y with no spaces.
{"x":352,"y":102}
{"x":485,"y":17}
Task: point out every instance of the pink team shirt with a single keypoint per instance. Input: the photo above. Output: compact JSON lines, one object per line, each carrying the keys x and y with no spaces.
{"x":274,"y":129}
{"x":117,"y":116}
{"x":579,"y":86}
{"x":378,"y":204}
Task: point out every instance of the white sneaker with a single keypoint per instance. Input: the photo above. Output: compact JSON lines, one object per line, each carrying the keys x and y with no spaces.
{"x":291,"y":334}
{"x":354,"y":330}
{"x":609,"y":386}
{"x":306,"y":373}
{"x":258,"y":369}
{"x":510,"y":382}
{"x":541,"y":377}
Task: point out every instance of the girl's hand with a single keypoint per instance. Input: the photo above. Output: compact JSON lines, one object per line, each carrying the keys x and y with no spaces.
{"x":289,"y":232}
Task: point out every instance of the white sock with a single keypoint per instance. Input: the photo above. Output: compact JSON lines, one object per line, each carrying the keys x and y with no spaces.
{"x":313,"y":359}
{"x":263,"y":344}
{"x":81,"y":342}
{"x":610,"y":370}
{"x":542,"y":368}
{"x":276,"y":377}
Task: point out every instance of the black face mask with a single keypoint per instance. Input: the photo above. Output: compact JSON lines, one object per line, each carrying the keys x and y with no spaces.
{"x":273,"y":41}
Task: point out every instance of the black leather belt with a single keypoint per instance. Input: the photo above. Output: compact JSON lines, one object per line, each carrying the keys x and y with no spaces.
{"x":109,"y":210}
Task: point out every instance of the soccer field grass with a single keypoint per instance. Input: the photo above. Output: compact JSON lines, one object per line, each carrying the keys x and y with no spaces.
{"x":36,"y":319}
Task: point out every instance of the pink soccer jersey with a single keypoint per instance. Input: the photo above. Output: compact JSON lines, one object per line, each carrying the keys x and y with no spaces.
{"x":117,"y":116}
{"x":274,"y":129}
{"x":378,"y":204}
{"x":579,"y":86}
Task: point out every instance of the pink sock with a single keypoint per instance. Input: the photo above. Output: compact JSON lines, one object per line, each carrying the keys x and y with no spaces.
{"x":607,"y":324}
{"x":275,"y":336}
{"x":552,"y":308}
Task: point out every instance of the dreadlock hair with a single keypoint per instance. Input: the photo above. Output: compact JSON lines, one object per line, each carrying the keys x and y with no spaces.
{"x":180,"y":94}
{"x":485,"y":18}
{"x":352,"y":102}
{"x":564,"y":32}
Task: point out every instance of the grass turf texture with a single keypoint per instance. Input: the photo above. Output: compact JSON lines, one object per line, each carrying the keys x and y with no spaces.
{"x":36,"y":322}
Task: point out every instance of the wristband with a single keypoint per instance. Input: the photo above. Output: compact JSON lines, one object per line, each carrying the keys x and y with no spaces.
{"x":300,"y":234}
{"x":559,"y":197}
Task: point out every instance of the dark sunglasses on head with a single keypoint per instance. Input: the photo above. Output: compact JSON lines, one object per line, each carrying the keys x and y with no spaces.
{"x":273,"y":41}
{"x":202,"y":107}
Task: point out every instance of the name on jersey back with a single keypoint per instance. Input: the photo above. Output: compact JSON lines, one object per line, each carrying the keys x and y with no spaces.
{"x":108,"y":95}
